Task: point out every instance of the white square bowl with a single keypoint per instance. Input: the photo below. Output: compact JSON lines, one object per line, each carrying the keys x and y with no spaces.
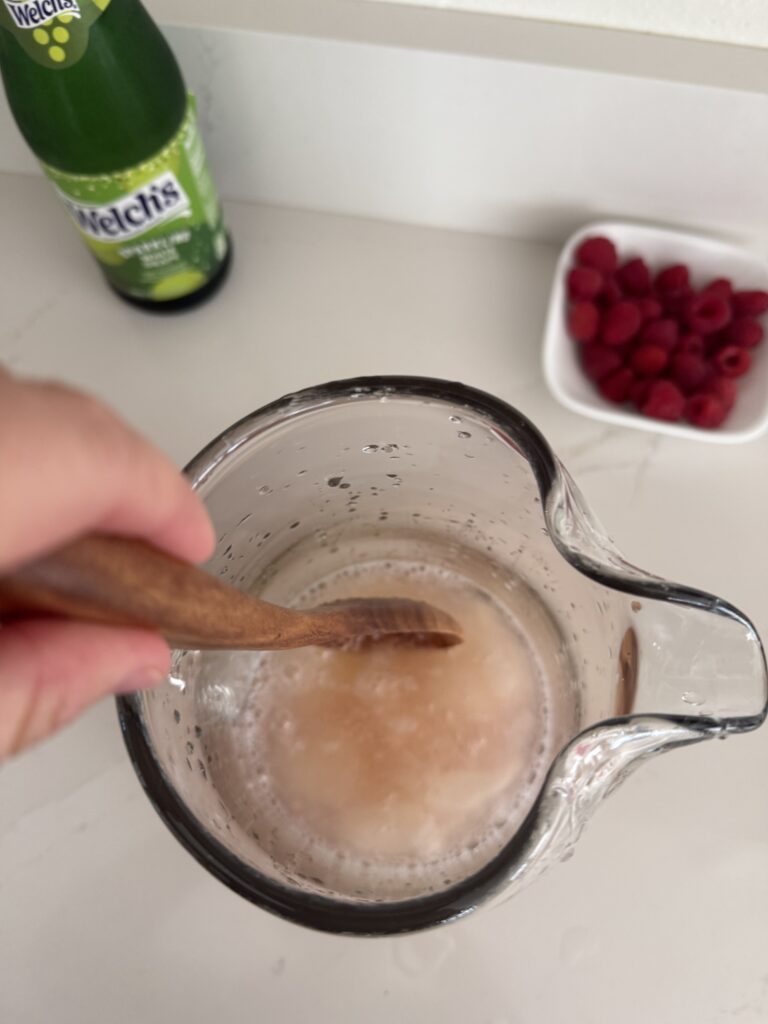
{"x":707,"y":259}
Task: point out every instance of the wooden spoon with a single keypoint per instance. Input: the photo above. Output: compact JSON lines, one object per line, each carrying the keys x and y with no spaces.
{"x":124,"y":582}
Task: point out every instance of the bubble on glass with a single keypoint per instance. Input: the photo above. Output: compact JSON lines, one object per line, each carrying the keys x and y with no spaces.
{"x":265,"y":489}
{"x":455,"y":419}
{"x":463,"y":434}
{"x":693,"y":698}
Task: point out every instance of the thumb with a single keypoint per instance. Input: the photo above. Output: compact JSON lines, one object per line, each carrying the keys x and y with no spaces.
{"x":50,"y":671}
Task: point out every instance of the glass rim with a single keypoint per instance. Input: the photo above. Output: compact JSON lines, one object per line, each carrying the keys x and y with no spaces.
{"x":335,"y":914}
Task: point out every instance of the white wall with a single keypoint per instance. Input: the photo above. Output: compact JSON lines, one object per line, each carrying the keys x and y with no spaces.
{"x":728,"y":21}
{"x":465,"y":142}
{"x":445,"y":28}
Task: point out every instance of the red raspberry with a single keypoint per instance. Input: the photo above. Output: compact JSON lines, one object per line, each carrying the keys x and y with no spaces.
{"x":724,"y":388}
{"x":721,"y":286}
{"x":650,"y":309}
{"x":616,"y":386}
{"x":611,"y":293}
{"x":583,"y":321}
{"x":638,"y":390}
{"x":689,"y":371}
{"x":635,"y":277}
{"x":732,"y":361}
{"x":598,"y":360}
{"x":665,"y":401}
{"x":599,"y":253}
{"x":692,"y":344}
{"x":584,"y":283}
{"x":752,"y":303}
{"x":673,"y":281}
{"x":746,"y":333}
{"x":660,"y":332}
{"x":707,"y":313}
{"x":649,"y":360}
{"x":705,"y":410}
{"x":620,"y":323}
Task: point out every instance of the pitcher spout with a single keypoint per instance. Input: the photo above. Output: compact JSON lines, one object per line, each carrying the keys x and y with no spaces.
{"x":700,"y":661}
{"x":683,"y":654}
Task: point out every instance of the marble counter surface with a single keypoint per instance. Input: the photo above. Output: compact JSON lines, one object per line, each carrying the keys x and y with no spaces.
{"x":661,"y":916}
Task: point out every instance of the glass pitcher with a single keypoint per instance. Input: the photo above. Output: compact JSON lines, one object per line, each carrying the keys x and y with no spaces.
{"x":650,"y":665}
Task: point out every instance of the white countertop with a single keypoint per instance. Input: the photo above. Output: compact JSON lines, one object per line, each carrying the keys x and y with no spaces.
{"x":662,"y":915}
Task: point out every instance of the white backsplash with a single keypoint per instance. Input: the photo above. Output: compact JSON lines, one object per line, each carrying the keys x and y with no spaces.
{"x":465,"y":142}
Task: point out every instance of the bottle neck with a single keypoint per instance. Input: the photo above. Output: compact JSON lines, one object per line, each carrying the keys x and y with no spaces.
{"x":120,"y":102}
{"x":52,"y":33}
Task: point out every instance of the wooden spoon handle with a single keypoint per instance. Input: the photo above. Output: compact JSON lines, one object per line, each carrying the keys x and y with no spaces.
{"x":122,"y":582}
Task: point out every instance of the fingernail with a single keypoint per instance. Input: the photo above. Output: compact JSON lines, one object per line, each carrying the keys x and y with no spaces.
{"x":141,"y":679}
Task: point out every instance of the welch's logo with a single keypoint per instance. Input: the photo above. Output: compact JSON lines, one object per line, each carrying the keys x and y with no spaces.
{"x":159,"y":200}
{"x":31,"y":13}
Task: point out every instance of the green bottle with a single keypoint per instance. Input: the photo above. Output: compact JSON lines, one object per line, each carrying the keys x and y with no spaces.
{"x":98,"y":95}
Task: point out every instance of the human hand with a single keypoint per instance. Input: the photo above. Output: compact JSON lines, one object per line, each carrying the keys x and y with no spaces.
{"x":67,"y":466}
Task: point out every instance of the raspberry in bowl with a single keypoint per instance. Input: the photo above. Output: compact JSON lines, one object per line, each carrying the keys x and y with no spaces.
{"x":660,"y":330}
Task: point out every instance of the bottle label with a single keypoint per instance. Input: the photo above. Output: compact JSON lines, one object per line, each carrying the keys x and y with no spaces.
{"x":52,"y":32}
{"x":156,"y":228}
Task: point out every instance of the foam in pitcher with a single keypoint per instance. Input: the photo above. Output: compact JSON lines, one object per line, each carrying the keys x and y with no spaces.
{"x":395,"y":771}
